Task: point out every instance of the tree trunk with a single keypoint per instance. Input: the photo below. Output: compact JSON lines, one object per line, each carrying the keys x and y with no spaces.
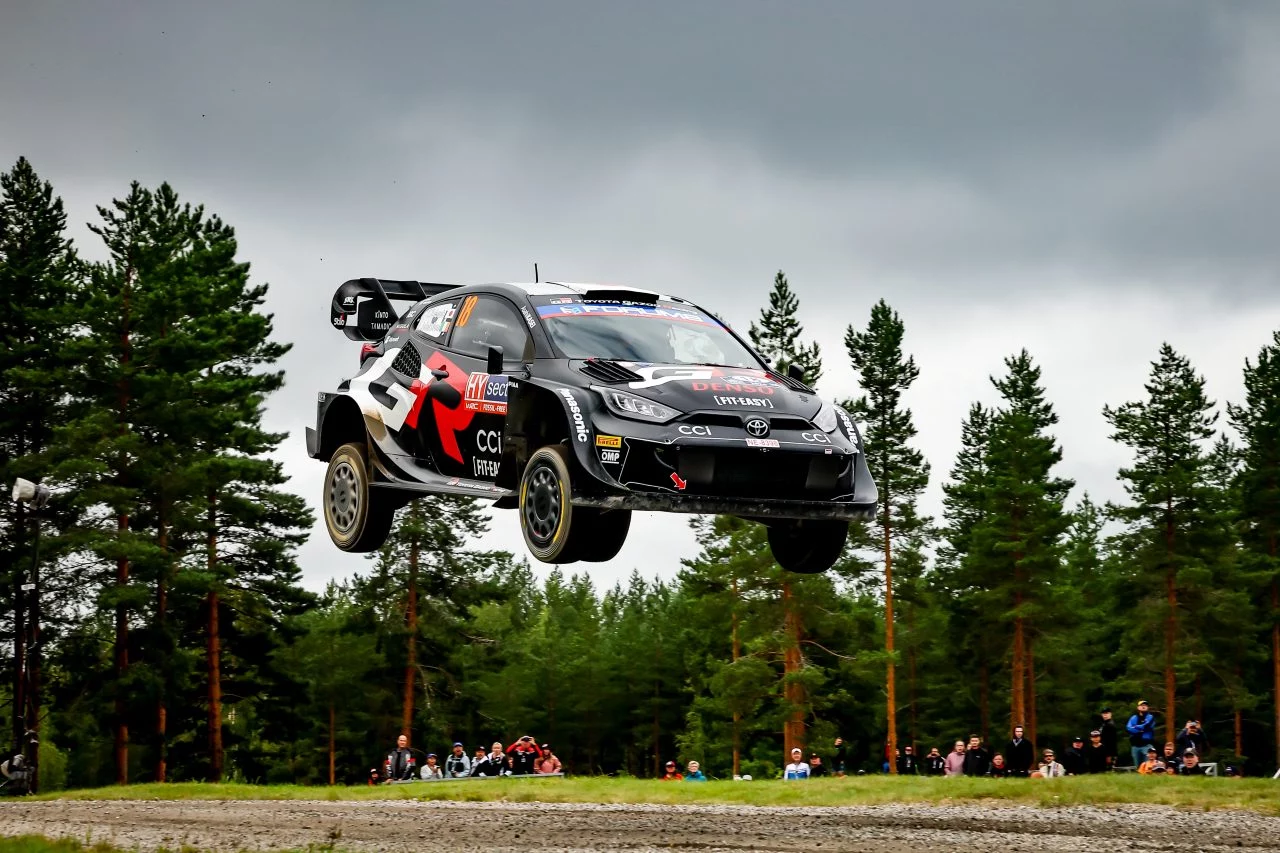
{"x":1170,"y":631}
{"x":19,"y":633}
{"x":34,"y":657}
{"x":213,"y":642}
{"x":162,"y":608}
{"x":737,"y":715}
{"x":1275,"y":649}
{"x":793,"y":690}
{"x":1018,"y":697}
{"x":1031,"y":693}
{"x":914,"y":734}
{"x":411,"y":626}
{"x":122,"y":562}
{"x":333,"y":740}
{"x":984,"y":701}
{"x":891,"y":687}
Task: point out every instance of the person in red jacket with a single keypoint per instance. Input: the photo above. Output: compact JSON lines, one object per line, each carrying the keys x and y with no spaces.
{"x":523,"y":756}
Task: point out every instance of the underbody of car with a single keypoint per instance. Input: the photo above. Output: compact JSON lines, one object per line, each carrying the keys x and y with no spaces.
{"x":578,"y":404}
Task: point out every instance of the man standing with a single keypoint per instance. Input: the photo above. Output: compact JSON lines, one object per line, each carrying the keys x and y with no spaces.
{"x":977,"y":761}
{"x":841,"y":756}
{"x":797,"y":769}
{"x":399,"y":764}
{"x":1096,"y":757}
{"x":1192,"y":737}
{"x":1142,"y":732}
{"x":934,"y":763}
{"x":524,"y":755}
{"x":457,"y":764}
{"x":1020,"y":754}
{"x":1107,"y":728}
{"x":1073,"y":759}
{"x":907,"y":765}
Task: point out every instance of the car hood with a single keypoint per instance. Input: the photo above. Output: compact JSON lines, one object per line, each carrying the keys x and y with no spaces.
{"x":705,"y":388}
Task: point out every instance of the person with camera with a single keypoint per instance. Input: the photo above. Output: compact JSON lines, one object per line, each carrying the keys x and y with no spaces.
{"x":457,"y":765}
{"x":523,"y":756}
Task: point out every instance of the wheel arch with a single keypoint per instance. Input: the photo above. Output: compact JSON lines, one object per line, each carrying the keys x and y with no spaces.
{"x":343,"y":423}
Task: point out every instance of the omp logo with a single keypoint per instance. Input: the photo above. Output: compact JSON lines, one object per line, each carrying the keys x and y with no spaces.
{"x":610,"y":457}
{"x":608,"y":441}
{"x":489,"y":441}
{"x":694,"y":429}
{"x":464,"y":314}
{"x":757,"y":427}
{"x":579,"y":422}
{"x":816,"y":437}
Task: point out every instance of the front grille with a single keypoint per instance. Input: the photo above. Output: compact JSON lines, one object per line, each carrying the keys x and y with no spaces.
{"x":718,"y":419}
{"x":714,"y":419}
{"x":740,"y":473}
{"x":408,"y":361}
{"x":609,"y":371}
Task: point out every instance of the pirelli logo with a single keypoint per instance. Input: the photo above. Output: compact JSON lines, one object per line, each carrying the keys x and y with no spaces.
{"x":608,"y":441}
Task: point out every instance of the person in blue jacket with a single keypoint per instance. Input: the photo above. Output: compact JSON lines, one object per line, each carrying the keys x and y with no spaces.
{"x":693,"y":773}
{"x":1142,"y":732}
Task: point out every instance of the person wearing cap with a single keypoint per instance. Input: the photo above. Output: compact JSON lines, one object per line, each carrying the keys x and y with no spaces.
{"x":1192,"y":737}
{"x":672,"y":773}
{"x":907,"y":763}
{"x":1019,"y":755}
{"x":1190,"y":765}
{"x":523,"y":756}
{"x":1073,"y":759}
{"x":431,"y":771}
{"x":1107,"y":729}
{"x":694,"y":773}
{"x":548,"y":764}
{"x":1152,"y":764}
{"x":457,"y":764}
{"x":1050,"y":768}
{"x":492,"y":763}
{"x":797,"y":769}
{"x":1142,"y":732}
{"x":816,"y":767}
{"x":1096,"y":757}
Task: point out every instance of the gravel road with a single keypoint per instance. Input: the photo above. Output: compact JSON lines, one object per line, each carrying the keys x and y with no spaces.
{"x":401,"y":825}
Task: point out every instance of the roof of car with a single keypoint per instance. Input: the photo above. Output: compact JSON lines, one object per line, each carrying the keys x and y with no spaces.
{"x":552,"y":288}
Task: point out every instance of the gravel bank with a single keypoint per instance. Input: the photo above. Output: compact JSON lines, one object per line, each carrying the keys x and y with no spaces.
{"x":402,"y":825}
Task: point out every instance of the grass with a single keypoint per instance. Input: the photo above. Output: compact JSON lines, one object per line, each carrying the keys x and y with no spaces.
{"x":1203,"y":794}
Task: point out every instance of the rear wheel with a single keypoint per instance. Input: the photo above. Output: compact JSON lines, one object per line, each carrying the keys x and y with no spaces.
{"x":358,"y":517}
{"x":807,"y":547}
{"x":601,"y":533}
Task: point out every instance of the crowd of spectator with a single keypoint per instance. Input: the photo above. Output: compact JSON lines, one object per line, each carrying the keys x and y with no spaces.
{"x":525,"y":757}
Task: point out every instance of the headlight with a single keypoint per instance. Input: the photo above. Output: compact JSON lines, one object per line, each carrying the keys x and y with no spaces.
{"x":626,"y":405}
{"x":826,"y":418}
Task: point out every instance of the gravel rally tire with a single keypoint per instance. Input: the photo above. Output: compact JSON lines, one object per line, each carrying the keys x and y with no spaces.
{"x":807,"y":547}
{"x":357,"y":517}
{"x":546,"y":506}
{"x":601,"y":533}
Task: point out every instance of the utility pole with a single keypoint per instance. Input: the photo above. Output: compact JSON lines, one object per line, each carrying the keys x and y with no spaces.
{"x":26,"y":704}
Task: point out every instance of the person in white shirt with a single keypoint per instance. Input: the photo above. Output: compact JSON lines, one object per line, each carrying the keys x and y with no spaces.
{"x":431,"y":770}
{"x":797,"y":769}
{"x":1049,"y":768}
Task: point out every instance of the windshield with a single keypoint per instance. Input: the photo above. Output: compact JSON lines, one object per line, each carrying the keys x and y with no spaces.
{"x":657,"y":334}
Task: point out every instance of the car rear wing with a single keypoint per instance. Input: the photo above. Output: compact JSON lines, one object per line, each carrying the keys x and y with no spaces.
{"x":362,"y":306}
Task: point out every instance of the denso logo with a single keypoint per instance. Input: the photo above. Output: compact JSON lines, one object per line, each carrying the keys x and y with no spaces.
{"x":687,"y":429}
{"x":739,"y":387}
{"x":579,"y":423}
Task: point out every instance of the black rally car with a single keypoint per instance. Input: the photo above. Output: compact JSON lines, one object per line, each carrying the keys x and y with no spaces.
{"x":577,"y":404}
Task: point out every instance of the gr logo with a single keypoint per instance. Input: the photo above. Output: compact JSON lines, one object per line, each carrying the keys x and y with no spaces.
{"x":489,"y":441}
{"x":687,"y":429}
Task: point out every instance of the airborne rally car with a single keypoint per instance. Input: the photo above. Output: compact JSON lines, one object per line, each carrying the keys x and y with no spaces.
{"x":576,"y":404}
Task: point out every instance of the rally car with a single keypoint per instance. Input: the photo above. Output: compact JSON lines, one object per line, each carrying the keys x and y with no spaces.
{"x":576,"y":404}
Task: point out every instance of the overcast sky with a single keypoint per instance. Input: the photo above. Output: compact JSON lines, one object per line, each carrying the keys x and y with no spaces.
{"x":1085,"y":179}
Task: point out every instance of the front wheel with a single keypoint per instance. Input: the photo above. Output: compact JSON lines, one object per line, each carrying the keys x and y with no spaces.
{"x":358,"y":517}
{"x":546,"y":506}
{"x":807,"y":547}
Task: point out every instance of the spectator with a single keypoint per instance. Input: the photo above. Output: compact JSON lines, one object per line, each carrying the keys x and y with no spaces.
{"x":1050,"y":769}
{"x":1192,"y":737}
{"x":816,"y":767}
{"x":1020,"y":754}
{"x":430,"y":770}
{"x":907,"y":764}
{"x":797,"y":769}
{"x":399,"y":764}
{"x":495,"y":763}
{"x":1142,"y":731}
{"x":695,"y":773}
{"x":977,"y":761}
{"x":1151,"y":764}
{"x":480,"y":764}
{"x":1171,"y":757}
{"x":888,"y":756}
{"x":954,"y":765}
{"x":838,"y":761}
{"x":999,"y":769}
{"x":1073,"y":759}
{"x":1096,"y":757}
{"x":1107,"y":729}
{"x":375,"y":776}
{"x":934,"y":763}
{"x":457,"y":764}
{"x":1190,"y":764}
{"x":548,"y":764}
{"x":672,"y":774}
{"x":522,"y":756}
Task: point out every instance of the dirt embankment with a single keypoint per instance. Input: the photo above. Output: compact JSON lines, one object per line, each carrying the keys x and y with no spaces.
{"x":417,"y":826}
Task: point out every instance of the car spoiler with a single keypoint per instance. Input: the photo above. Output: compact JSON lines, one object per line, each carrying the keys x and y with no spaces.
{"x":368,"y":301}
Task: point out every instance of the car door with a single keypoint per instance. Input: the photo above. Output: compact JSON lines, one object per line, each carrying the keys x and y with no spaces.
{"x":469,"y":407}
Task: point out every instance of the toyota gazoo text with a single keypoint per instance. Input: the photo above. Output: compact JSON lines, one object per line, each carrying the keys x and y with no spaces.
{"x":576,"y":404}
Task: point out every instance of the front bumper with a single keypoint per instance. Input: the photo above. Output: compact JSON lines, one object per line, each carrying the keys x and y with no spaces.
{"x":753,"y":508}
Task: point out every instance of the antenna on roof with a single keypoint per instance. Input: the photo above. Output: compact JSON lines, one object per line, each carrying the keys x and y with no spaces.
{"x":535,"y":272}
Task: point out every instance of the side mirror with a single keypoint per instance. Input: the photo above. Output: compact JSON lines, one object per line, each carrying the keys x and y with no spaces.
{"x":796,"y":372}
{"x":494,"y":364}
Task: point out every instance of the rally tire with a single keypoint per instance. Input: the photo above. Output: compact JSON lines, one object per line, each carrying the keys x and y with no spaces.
{"x":807,"y":547}
{"x":601,"y":533}
{"x":546,"y":506}
{"x":358,"y":517}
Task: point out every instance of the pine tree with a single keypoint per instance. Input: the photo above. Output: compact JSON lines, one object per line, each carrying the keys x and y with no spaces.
{"x":1258,"y":422}
{"x":37,"y":288}
{"x":899,"y":470}
{"x":1020,"y":536}
{"x":1171,"y":505}
{"x":778,"y":334}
